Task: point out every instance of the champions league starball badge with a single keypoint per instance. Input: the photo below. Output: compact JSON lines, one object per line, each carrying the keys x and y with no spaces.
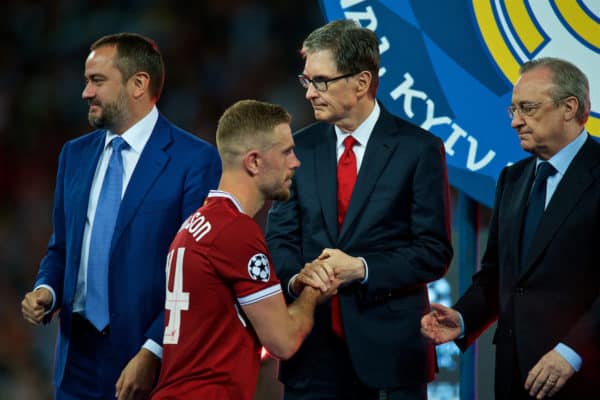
{"x":258,"y":267}
{"x":450,"y":66}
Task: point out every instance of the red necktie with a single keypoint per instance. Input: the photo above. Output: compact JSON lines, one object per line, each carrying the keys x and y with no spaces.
{"x":346,"y":178}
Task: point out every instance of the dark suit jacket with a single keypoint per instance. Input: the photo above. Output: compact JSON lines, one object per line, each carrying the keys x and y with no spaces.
{"x":170,"y":181}
{"x":555,"y":296}
{"x":398,"y":220}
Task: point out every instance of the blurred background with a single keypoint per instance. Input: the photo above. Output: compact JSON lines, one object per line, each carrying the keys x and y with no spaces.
{"x":215,"y":51}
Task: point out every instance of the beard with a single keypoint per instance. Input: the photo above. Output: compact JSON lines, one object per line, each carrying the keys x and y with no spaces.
{"x":276,"y":191}
{"x":282,"y":194}
{"x":111,"y":115}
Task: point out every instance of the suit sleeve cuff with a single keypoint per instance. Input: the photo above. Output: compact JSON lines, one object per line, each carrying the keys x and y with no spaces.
{"x":154,"y":348}
{"x":366,"y":271}
{"x":570,"y":355}
{"x":48,"y":311}
{"x":289,"y":287}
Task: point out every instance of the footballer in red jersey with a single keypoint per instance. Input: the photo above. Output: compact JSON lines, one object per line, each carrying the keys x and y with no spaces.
{"x":223,"y":299}
{"x":217,"y":262}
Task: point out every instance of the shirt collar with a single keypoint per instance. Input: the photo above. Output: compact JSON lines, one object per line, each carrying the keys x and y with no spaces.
{"x":137,"y":136}
{"x":363,"y":132}
{"x":222,"y":194}
{"x":563,"y":158}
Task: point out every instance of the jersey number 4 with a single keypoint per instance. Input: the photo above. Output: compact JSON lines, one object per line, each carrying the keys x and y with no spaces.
{"x":177,"y":300}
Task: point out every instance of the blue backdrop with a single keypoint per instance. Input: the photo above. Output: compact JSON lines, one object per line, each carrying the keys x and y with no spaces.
{"x":449,"y":66}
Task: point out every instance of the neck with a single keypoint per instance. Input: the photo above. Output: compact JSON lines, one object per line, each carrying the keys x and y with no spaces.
{"x":244,"y":190}
{"x":134,"y":115}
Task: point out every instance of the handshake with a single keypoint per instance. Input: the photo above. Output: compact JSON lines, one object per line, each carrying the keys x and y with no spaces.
{"x":330,"y":270}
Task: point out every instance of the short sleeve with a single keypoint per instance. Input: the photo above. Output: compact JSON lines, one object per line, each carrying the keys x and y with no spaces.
{"x":241,"y":257}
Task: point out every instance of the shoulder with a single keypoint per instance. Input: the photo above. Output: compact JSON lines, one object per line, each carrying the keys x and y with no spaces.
{"x":181,"y":136}
{"x":406,"y":130}
{"x":84,"y":142}
{"x":311,"y":134}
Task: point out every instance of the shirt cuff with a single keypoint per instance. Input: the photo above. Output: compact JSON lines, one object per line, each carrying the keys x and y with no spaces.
{"x":289,"y":287}
{"x":366,"y":270}
{"x":48,"y":311}
{"x":462,"y":326}
{"x":570,"y":355}
{"x":154,"y":348}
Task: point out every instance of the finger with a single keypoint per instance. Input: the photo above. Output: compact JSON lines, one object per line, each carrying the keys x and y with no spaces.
{"x":559,"y":384}
{"x":118,"y":386}
{"x":440,"y":309}
{"x":537,"y":385}
{"x":532,"y":375}
{"x":326,"y":253}
{"x":124,"y":392}
{"x":311,"y":280}
{"x":546,"y":387}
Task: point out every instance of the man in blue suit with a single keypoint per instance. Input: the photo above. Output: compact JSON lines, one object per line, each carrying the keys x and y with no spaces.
{"x":371,"y":198}
{"x":122,"y":192}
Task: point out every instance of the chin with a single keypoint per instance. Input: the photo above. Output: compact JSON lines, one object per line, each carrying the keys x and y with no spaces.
{"x":282,"y":195}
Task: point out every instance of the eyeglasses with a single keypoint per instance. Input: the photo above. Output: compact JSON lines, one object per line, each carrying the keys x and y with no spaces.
{"x":527,"y":109}
{"x":321,"y":83}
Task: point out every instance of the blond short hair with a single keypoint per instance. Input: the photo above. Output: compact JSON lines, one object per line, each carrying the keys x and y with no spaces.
{"x":246,"y":125}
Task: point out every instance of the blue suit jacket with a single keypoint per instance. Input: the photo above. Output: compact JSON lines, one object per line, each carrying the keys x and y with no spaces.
{"x":170,"y":181}
{"x":398,"y":219}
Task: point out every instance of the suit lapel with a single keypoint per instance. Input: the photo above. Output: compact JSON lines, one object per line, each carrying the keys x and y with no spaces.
{"x":150,"y":165}
{"x":568,"y":193}
{"x":521,"y":184}
{"x":326,"y":175}
{"x":379,"y":150}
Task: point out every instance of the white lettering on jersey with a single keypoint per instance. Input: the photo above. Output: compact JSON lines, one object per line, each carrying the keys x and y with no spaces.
{"x":177,"y":300}
{"x":197,"y":226}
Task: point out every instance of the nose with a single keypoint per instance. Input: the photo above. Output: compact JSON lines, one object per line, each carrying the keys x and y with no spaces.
{"x":295,"y":163}
{"x":311,"y":92}
{"x":88,"y":91}
{"x":517,"y":120}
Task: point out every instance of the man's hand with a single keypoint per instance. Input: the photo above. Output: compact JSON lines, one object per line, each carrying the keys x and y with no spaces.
{"x":317,"y":274}
{"x":138,"y":377}
{"x":35,"y":304}
{"x":441,"y":325}
{"x":549,"y":375}
{"x":346,"y":268}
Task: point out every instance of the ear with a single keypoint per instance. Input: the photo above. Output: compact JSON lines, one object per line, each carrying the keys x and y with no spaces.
{"x":571,"y":105}
{"x":364,"y":80}
{"x":251,"y":161}
{"x":138,"y":84}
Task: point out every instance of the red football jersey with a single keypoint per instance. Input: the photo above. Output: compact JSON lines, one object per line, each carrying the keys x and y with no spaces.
{"x":217,"y":262}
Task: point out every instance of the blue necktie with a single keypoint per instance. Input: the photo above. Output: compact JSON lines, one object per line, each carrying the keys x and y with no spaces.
{"x":535,"y":206}
{"x":107,"y":209}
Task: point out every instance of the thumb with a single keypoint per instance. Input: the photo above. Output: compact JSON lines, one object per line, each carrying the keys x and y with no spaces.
{"x":439,"y":308}
{"x":41,"y":299}
{"x":324,"y":254}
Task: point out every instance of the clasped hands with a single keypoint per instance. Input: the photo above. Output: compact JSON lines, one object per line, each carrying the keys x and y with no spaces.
{"x":330,"y":270}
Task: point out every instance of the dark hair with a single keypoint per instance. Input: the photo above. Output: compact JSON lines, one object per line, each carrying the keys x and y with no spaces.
{"x":568,"y":81}
{"x":136,"y":53}
{"x":354,"y":48}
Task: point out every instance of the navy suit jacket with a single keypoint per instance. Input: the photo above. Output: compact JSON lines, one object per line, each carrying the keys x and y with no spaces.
{"x":555,"y":296}
{"x":171,"y":179}
{"x":398,"y":219}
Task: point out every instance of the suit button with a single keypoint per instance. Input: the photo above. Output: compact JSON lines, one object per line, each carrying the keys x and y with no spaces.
{"x":510,"y":332}
{"x":520,"y":291}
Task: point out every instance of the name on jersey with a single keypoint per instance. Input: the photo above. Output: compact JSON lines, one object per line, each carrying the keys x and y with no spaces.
{"x":197,"y":225}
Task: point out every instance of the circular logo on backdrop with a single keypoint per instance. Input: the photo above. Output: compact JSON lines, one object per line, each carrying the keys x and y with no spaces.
{"x":518,"y":31}
{"x":258,"y":267}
